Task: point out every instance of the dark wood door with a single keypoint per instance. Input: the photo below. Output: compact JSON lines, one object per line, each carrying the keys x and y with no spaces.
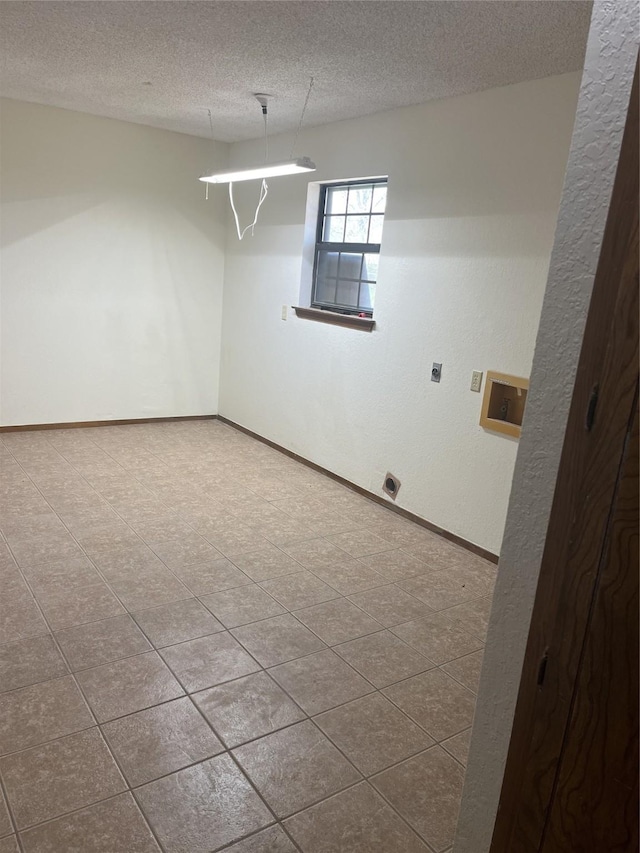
{"x":570,"y":783}
{"x":594,"y":805}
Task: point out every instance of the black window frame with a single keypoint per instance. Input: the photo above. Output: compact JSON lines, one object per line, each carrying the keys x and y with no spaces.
{"x":349,"y":248}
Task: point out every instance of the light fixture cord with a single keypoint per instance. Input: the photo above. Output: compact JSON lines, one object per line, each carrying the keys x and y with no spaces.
{"x":304,"y":109}
{"x":264,"y":188}
{"x":206,"y":191}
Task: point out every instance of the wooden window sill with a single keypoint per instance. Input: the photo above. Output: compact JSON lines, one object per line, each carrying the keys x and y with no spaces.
{"x":351,"y":321}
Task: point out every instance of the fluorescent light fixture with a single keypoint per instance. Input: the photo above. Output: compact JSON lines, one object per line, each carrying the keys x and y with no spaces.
{"x":269,"y":170}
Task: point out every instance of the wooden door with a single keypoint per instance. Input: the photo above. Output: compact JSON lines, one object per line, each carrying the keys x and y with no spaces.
{"x":571,"y":778}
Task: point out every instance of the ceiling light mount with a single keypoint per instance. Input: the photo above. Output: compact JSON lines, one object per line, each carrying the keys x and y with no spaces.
{"x":263,"y":99}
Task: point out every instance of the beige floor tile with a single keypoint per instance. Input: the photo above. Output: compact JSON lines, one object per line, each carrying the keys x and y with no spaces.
{"x":272,"y":840}
{"x":128,"y":685}
{"x":20,"y":618}
{"x":315,"y":553}
{"x":203,"y":808}
{"x":350,"y":576}
{"x":472,"y":616}
{"x":466,"y":670}
{"x":116,"y":534}
{"x":162,"y":529}
{"x":233,"y":542}
{"x":33,"y":527}
{"x":268,"y":562}
{"x":328,"y":523}
{"x":434,"y":549}
{"x":299,"y":590}
{"x":64,"y":609}
{"x":66,"y":774}
{"x":477,"y":576}
{"x":303,"y":509}
{"x":235,"y":607}
{"x":107,"y":827}
{"x":188,"y":551}
{"x":5,"y":821}
{"x":278,"y":639}
{"x":122,"y":564}
{"x":361,"y":543}
{"x":234,"y":521}
{"x":390,"y":605}
{"x":9,"y":844}
{"x":357,"y":820}
{"x":282,"y":533}
{"x":160,"y":740}
{"x":438,"y":638}
{"x":25,"y":662}
{"x":101,"y":642}
{"x":295,"y":767}
{"x":320,"y":681}
{"x":383,"y":658}
{"x":458,"y":746}
{"x":395,"y":565}
{"x":150,"y":589}
{"x":208,"y":661}
{"x":207,"y":578}
{"x":61,"y":576}
{"x":45,"y":549}
{"x":435,"y":701}
{"x":338,"y":621}
{"x":439,"y":590}
{"x":373,"y":733}
{"x":247,"y":708}
{"x":177,"y":622}
{"x":426,"y":790}
{"x":41,"y":712}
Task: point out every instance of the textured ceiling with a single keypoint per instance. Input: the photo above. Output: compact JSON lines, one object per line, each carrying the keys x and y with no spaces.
{"x":165,"y":63}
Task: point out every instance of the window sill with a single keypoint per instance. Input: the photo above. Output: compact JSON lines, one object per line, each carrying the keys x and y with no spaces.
{"x":351,"y":321}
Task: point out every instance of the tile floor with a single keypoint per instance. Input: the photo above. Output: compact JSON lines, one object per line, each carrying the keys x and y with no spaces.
{"x":205,"y":646}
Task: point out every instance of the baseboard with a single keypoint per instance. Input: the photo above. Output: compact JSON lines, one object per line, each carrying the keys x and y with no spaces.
{"x":404,"y":513}
{"x":118,"y":422}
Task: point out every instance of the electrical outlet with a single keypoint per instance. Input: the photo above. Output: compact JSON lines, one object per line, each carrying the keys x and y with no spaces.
{"x":476,"y":380}
{"x":284,"y":312}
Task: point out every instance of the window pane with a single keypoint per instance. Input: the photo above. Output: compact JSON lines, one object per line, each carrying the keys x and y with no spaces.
{"x":350,"y":265}
{"x":325,"y":290}
{"x":370,"y":267}
{"x":375,"y":231}
{"x":359,"y":199}
{"x":333,"y":229}
{"x":347,"y":293}
{"x":328,"y":264}
{"x":357,"y":229}
{"x":336,"y":200}
{"x":367,"y":295}
{"x":379,"y":199}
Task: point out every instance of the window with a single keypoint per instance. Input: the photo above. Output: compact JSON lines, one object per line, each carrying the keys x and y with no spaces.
{"x":345,"y":268}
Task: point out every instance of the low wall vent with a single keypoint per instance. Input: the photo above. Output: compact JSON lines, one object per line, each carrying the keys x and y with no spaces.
{"x":391,"y":485}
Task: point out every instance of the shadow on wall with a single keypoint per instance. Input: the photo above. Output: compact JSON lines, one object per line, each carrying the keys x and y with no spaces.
{"x":58,"y":164}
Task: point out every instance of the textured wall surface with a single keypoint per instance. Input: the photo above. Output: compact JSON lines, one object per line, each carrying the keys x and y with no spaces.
{"x":111,"y":269}
{"x":474,"y":189}
{"x":602,"y":108}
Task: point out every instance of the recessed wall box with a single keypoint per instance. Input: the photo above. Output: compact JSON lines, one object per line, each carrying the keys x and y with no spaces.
{"x":503,"y":403}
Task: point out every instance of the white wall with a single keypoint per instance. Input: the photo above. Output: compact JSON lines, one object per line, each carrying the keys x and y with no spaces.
{"x":474,"y":188}
{"x":610,"y":61}
{"x":111,"y":271}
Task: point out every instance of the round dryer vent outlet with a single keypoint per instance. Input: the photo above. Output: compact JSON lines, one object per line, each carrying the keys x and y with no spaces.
{"x":391,"y":485}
